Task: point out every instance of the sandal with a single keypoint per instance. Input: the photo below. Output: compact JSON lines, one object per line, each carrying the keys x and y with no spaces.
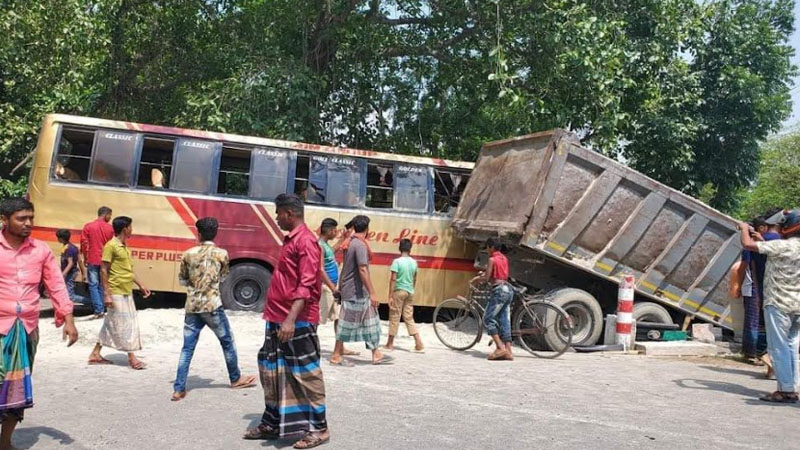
{"x":500,"y":355}
{"x":138,"y":365}
{"x":178,"y":396}
{"x":385,"y":359}
{"x":261,"y":432}
{"x":99,"y":361}
{"x":780,"y":397}
{"x":351,"y":353}
{"x":342,"y":363}
{"x":311,"y":440}
{"x":243,"y":382}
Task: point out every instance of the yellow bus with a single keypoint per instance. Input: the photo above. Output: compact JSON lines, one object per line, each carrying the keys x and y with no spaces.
{"x":165,"y":178}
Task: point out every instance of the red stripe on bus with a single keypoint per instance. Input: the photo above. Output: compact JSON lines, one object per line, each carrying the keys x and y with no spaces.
{"x":269,"y":220}
{"x":183,"y":213}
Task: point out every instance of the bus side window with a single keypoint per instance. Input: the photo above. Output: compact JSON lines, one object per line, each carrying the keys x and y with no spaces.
{"x":155,"y":166}
{"x":311,"y":178}
{"x":113,"y":160}
{"x":301,"y":176}
{"x":380,"y":186}
{"x":270,"y":173}
{"x":448,"y":187}
{"x":411,"y":188}
{"x":196,"y":165}
{"x":344,"y":182}
{"x":234,"y":172}
{"x":74,"y":154}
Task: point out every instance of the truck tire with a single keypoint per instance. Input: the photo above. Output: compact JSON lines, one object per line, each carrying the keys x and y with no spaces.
{"x":651,"y":312}
{"x":245,"y":288}
{"x":585,"y":311}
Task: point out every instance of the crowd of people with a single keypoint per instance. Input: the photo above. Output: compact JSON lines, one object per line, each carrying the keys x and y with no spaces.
{"x":308,"y":288}
{"x":768,"y":280}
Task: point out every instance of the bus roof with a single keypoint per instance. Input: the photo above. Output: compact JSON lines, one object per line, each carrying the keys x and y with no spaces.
{"x":255,"y":141}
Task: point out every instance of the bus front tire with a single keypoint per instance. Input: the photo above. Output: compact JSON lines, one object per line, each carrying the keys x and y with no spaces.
{"x":245,"y":288}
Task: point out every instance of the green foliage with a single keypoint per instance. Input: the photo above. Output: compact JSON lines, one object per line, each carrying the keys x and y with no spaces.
{"x":778,"y":182}
{"x":681,"y":90}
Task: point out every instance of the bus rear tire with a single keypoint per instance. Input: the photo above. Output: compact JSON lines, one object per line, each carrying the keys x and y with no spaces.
{"x":245,"y":288}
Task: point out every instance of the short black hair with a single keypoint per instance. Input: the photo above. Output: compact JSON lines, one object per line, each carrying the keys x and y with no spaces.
{"x":405,"y":245}
{"x":120,"y":223}
{"x":207,"y":228}
{"x":759,"y":222}
{"x":360,"y":223}
{"x":349,"y":225}
{"x":103,"y":210}
{"x":14,"y":204}
{"x":292,"y":202}
{"x":327,"y":224}
{"x":63,"y":234}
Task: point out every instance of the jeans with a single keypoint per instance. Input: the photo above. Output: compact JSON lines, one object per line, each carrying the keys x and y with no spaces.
{"x":782,"y":333}
{"x":76,"y":298}
{"x":193,"y":324}
{"x":498,"y":312}
{"x":95,"y":288}
{"x":754,"y":340}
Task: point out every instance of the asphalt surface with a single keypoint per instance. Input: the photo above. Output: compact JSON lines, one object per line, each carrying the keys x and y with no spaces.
{"x":441,"y":399}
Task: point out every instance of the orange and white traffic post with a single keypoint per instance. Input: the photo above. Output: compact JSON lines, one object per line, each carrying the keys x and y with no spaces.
{"x":625,"y":312}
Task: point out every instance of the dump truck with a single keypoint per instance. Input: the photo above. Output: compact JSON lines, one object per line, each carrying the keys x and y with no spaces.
{"x":576,"y":221}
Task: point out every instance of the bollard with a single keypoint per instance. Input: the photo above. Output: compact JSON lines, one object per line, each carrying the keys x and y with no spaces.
{"x":625,"y":312}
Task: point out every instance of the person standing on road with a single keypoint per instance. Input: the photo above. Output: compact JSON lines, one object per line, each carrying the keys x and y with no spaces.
{"x":781,"y":303}
{"x":70,"y":265}
{"x":401,"y":296}
{"x":25,"y":263}
{"x":359,"y":320}
{"x":289,"y":360}
{"x":121,"y":326}
{"x":94,"y":237}
{"x":329,"y":302}
{"x":497,"y":319}
{"x":202,"y":269}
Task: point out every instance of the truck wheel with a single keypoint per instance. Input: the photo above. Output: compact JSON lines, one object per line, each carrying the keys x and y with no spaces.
{"x":651,"y":312}
{"x":245,"y":287}
{"x":585,"y":311}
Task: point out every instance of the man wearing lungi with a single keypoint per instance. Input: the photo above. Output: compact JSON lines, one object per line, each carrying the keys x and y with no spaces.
{"x":24,"y":264}
{"x":289,"y":361}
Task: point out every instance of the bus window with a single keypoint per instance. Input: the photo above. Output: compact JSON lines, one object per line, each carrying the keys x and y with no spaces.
{"x":380,"y":186}
{"x":448,"y":187}
{"x":155,"y":166}
{"x":411,"y":188}
{"x":234,"y":172}
{"x":344,"y":182}
{"x":74,"y":154}
{"x":195,"y":167}
{"x":270,"y":173}
{"x":114,"y":157}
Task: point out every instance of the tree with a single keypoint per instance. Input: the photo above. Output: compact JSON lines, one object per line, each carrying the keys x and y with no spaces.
{"x":777,"y":184}
{"x":680,"y":90}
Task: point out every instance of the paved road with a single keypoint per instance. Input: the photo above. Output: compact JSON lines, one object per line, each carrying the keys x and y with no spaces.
{"x":441,"y":399}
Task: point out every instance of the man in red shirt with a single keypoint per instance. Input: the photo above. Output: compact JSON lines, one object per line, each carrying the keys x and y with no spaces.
{"x":497,"y":319}
{"x":289,"y":361}
{"x":24,"y":264}
{"x":94,"y":236}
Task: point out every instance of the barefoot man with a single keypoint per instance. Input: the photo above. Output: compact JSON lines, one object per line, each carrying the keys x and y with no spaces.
{"x":24,"y":264}
{"x":121,"y":326}
{"x":294,"y":390}
{"x":202,"y":269}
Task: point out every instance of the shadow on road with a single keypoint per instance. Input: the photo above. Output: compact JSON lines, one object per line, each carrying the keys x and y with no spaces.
{"x":734,"y":371}
{"x":25,"y":438}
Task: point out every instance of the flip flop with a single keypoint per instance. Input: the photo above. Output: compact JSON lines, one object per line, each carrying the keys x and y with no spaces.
{"x":413,"y":350}
{"x":99,"y":362}
{"x":178,"y":396}
{"x":311,"y":440}
{"x":261,"y":432}
{"x":779,"y":397}
{"x":351,"y":353}
{"x":244,"y":382}
{"x":138,"y":366}
{"x":385,"y":360}
{"x":342,"y":363}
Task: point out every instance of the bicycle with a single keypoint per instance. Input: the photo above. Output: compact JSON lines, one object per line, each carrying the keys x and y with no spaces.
{"x":543,"y":328}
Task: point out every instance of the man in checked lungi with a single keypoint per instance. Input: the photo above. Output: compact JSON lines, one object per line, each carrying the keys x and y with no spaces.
{"x":24,"y":264}
{"x":289,"y":360}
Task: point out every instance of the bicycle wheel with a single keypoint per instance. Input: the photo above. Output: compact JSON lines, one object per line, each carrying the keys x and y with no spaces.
{"x":457,"y":324}
{"x":544,"y":329}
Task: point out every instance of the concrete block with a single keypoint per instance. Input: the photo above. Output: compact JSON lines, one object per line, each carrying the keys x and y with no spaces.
{"x":677,"y":348}
{"x":702,"y":332}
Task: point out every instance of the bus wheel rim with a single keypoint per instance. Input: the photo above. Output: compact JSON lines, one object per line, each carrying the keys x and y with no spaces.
{"x":246,"y":292}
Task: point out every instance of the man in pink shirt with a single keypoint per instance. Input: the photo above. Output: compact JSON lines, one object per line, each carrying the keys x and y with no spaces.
{"x":24,"y":264}
{"x":94,"y":236}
